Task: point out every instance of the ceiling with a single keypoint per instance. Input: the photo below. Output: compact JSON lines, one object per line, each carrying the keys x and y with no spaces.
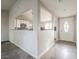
{"x":61,"y":8}
{"x":27,"y":15}
{"x":7,"y":4}
{"x":45,"y":15}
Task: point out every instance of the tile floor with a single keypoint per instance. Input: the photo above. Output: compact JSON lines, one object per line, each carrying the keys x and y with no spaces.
{"x":10,"y":51}
{"x":61,"y":50}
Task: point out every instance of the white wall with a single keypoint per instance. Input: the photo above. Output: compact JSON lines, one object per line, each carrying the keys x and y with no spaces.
{"x":4,"y":25}
{"x":34,"y":42}
{"x":26,"y":40}
{"x":46,"y":37}
{"x":55,"y":22}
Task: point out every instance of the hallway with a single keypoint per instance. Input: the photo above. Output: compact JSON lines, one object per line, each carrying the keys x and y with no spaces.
{"x":61,"y":50}
{"x":39,"y":29}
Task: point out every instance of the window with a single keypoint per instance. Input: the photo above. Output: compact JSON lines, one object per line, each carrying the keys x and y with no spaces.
{"x":48,"y":26}
{"x":66,"y":27}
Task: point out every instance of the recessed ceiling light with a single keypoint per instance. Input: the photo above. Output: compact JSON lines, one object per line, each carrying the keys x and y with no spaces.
{"x":60,"y":1}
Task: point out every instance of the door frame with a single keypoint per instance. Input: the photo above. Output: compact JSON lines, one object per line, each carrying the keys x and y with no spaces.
{"x":75,"y":29}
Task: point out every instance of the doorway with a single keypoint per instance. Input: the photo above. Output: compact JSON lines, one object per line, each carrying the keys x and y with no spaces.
{"x":67,"y":29}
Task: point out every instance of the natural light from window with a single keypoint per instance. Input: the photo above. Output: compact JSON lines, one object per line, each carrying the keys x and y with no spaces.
{"x":48,"y":26}
{"x":66,"y":27}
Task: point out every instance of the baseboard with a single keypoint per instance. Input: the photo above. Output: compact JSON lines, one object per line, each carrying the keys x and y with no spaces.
{"x":36,"y":57}
{"x":52,"y":45}
{"x":28,"y":52}
{"x":67,"y":41}
{"x":4,"y":41}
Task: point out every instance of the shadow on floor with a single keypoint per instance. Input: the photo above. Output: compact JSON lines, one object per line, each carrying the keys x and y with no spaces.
{"x":62,"y":50}
{"x":10,"y":51}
